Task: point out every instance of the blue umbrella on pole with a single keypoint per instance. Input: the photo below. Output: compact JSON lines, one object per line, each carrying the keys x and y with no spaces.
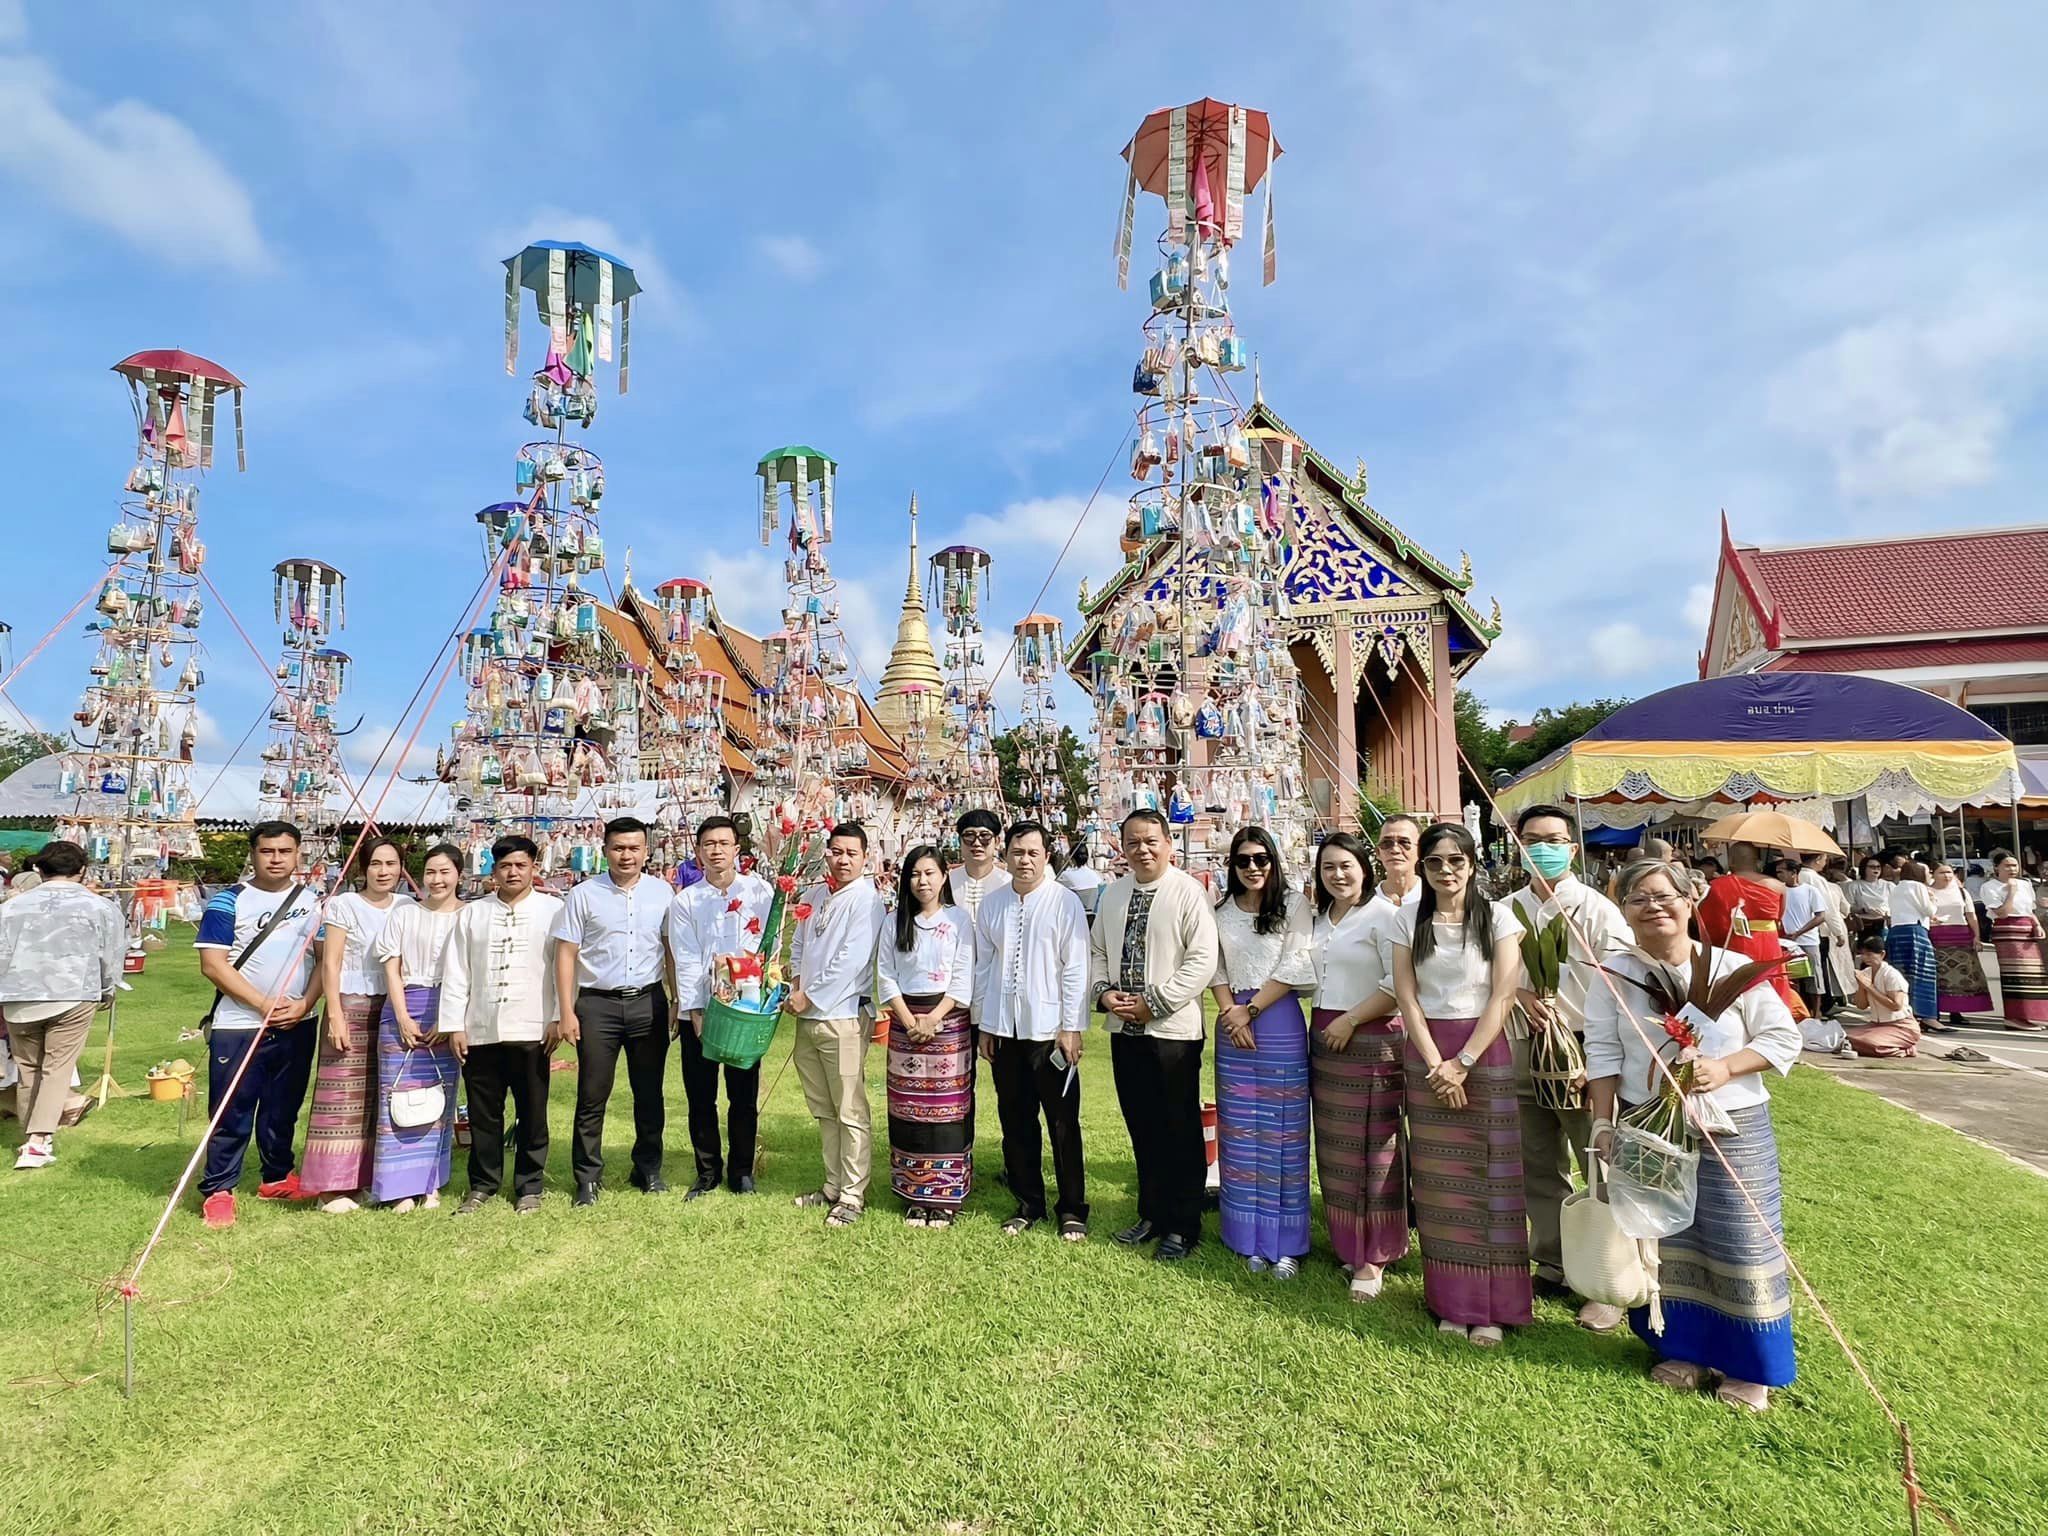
{"x":580,"y":293}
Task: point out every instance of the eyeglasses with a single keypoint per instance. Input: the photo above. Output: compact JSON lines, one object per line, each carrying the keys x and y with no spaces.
{"x":977,"y":837}
{"x":1556,"y":840}
{"x":1649,"y":899}
{"x":1446,"y":863}
{"x":1252,"y":861}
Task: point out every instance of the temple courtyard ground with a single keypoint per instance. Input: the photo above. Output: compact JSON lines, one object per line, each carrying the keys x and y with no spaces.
{"x":731,"y":1365}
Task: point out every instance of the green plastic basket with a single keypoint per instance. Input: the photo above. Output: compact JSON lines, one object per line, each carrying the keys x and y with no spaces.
{"x":736,"y":1036}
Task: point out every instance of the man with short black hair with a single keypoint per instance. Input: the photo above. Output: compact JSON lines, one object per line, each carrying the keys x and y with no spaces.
{"x":609,"y":955}
{"x":501,"y":1013}
{"x":833,"y":956}
{"x":970,"y":881}
{"x":1030,"y":1011}
{"x":1151,"y":957}
{"x":257,"y":945}
{"x":722,"y":913}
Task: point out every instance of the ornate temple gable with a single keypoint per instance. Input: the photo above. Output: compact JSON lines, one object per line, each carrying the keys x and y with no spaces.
{"x":1740,"y":632}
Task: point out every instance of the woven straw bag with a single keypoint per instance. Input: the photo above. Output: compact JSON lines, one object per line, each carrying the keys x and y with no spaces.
{"x":1601,"y":1262}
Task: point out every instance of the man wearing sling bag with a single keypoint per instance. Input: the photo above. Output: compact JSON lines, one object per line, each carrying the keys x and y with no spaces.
{"x":256,"y":944}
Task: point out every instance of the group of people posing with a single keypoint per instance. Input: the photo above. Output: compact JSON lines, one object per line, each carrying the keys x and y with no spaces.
{"x":1382,"y":1020}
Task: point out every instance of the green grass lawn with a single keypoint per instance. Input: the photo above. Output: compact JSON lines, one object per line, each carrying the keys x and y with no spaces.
{"x":734,"y":1366}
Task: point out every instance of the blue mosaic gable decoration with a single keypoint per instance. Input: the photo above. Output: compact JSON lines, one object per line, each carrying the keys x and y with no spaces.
{"x":1325,"y":565}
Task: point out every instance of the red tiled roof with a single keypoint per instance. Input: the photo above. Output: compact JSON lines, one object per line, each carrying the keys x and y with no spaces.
{"x":1929,"y":584}
{"x":1919,"y":653}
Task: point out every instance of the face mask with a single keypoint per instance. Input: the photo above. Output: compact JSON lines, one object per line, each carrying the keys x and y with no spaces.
{"x":1549,"y":860}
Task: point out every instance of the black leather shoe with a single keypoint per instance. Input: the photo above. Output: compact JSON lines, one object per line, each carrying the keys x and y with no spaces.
{"x":1138,"y":1232}
{"x":743,"y":1185}
{"x":586,"y":1194}
{"x":703,"y":1186}
{"x":1173,"y":1248}
{"x":654,"y":1186}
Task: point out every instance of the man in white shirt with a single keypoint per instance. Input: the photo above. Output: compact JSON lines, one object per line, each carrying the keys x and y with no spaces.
{"x":1800,"y":924}
{"x":1151,"y":957}
{"x":1080,"y":877}
{"x":1813,"y":877}
{"x":1553,"y":1138}
{"x":264,"y":999}
{"x":722,"y":913}
{"x":977,"y":873}
{"x":609,"y":966}
{"x":502,"y":1016}
{"x":1030,"y":1008}
{"x":833,"y":955}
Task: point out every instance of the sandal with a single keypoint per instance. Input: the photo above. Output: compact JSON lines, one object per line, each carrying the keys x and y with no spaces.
{"x":1445,"y":1325}
{"x":938,"y":1219}
{"x":1743,"y":1394}
{"x":1073,"y":1229}
{"x":1017,"y":1226}
{"x":1286,"y":1269}
{"x":1488,"y":1337}
{"x":1678,"y":1375}
{"x":817,"y":1199}
{"x":916,"y":1216}
{"x":1366,"y":1282}
{"x":843,"y":1215}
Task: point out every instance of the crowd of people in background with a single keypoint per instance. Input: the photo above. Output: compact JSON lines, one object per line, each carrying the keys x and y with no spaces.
{"x":1374,"y":1019}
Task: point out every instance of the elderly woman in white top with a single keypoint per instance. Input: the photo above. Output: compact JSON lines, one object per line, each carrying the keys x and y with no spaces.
{"x":61,"y":948}
{"x":2014,"y":910}
{"x":1727,"y":1302}
{"x":413,"y":1160}
{"x":924,"y":970}
{"x":1263,"y":963}
{"x":341,"y":1132}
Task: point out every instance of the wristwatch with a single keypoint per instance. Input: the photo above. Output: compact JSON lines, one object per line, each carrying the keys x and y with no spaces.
{"x":1467,"y":1060}
{"x":1252,"y":1009}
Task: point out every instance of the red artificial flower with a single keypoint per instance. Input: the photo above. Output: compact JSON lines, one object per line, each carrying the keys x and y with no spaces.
{"x":786,"y":884}
{"x":803,"y":911}
{"x":1679,"y":1030}
{"x":734,"y":905}
{"x":753,"y":925}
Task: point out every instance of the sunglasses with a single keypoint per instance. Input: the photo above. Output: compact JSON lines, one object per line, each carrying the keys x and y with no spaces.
{"x":1446,"y":864}
{"x":977,"y":837}
{"x":1393,"y":844}
{"x":1252,"y":861}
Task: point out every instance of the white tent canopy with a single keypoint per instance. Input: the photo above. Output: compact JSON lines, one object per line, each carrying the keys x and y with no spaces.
{"x":229,"y":795}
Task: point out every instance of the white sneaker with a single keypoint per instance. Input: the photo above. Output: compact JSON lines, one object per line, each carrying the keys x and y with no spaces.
{"x":34,"y":1155}
{"x":340,"y":1205}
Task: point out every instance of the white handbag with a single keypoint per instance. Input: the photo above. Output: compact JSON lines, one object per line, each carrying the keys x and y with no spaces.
{"x":1601,"y":1262}
{"x":412,"y":1108}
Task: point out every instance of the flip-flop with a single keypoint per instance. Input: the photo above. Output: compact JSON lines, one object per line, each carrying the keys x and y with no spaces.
{"x":1678,"y":1375}
{"x":1738,"y":1395}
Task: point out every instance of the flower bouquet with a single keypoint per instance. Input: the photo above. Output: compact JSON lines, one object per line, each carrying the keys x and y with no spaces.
{"x":1557,"y":1057}
{"x":749,"y":988}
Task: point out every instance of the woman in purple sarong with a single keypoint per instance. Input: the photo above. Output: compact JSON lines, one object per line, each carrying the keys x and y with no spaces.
{"x":1262,"y":1104}
{"x":412,"y":1161}
{"x":1456,"y":964}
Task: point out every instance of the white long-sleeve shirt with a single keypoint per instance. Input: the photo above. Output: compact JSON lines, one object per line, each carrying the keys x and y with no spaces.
{"x":939,"y":963}
{"x":705,"y":922}
{"x":1596,"y":929}
{"x":833,"y":953}
{"x":1616,"y":1048}
{"x":498,"y":972}
{"x":60,"y":943}
{"x":963,"y":890}
{"x":1031,"y":963}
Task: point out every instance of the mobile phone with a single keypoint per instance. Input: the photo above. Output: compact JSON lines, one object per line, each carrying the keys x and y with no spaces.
{"x":1057,"y":1058}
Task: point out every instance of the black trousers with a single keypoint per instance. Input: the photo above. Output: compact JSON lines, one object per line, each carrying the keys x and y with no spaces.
{"x":518,"y":1069}
{"x":1026,"y":1084}
{"x":1831,"y":997}
{"x":1159,"y":1088}
{"x":639,"y":1027}
{"x":742,"y":1118}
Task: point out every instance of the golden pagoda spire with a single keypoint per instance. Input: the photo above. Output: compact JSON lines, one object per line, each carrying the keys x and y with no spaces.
{"x":911,"y":682}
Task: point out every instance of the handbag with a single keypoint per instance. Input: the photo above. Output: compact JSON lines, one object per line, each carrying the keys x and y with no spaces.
{"x":1601,"y":1262}
{"x":412,"y":1108}
{"x":276,"y":919}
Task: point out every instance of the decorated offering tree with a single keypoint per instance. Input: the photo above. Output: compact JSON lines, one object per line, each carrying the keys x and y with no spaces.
{"x":1041,"y":791}
{"x":302,"y":760}
{"x":683,"y":727}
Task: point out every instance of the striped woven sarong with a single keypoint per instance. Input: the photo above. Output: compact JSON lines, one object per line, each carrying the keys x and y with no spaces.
{"x":1959,"y":984}
{"x":931,"y":1097}
{"x":340,"y":1130}
{"x":1912,"y":952}
{"x":1262,"y":1133}
{"x":1355,"y":1104}
{"x":413,"y":1162}
{"x":2022,"y":971}
{"x":1469,"y":1208}
{"x":1727,"y":1298}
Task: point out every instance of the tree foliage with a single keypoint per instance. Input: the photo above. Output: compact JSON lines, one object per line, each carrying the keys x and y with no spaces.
{"x":1490,"y":752}
{"x":1075,"y":764}
{"x":20,"y":748}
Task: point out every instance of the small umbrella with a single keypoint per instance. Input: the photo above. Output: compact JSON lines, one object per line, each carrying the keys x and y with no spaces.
{"x":162,"y":381}
{"x":566,"y":277}
{"x":1184,"y":154}
{"x":1771,"y":829}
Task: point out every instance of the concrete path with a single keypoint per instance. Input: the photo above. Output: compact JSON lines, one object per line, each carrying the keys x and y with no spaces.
{"x":2002,"y":1103}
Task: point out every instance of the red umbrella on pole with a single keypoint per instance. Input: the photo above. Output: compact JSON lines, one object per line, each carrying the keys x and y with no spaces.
{"x":163,"y":384}
{"x":1189,"y":156}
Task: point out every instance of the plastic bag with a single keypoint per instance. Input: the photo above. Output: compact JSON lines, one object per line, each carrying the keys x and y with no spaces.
{"x":1652,"y":1184}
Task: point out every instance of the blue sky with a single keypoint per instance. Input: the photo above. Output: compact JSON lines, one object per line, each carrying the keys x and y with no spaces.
{"x":1571,"y":280}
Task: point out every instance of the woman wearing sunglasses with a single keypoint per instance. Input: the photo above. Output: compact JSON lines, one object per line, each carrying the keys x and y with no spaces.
{"x":1262,"y":932}
{"x":1456,"y":963}
{"x":1726,"y":1298}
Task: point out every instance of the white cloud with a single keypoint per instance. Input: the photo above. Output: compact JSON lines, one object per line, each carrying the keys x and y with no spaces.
{"x":1623,"y":649}
{"x":111,"y":166}
{"x":13,"y":24}
{"x":660,"y":295}
{"x":1699,"y":608}
{"x":1916,"y":405}
{"x":792,"y":255}
{"x":750,"y":591}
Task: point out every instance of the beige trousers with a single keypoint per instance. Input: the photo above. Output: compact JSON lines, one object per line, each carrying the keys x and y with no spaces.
{"x":831,"y":1061}
{"x":1551,"y":1139}
{"x":46,"y":1053}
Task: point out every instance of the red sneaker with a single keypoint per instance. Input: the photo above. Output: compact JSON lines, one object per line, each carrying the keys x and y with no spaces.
{"x":219,"y":1209}
{"x":286,"y":1188}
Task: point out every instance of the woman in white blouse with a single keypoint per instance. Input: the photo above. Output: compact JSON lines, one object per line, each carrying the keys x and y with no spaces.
{"x":1959,"y":982}
{"x":1870,"y":900}
{"x":1909,"y":945}
{"x":413,"y":1057}
{"x":1727,"y":1302}
{"x":925,"y":981}
{"x":1457,"y":961}
{"x":1263,"y":961}
{"x":2011,"y":903}
{"x":340,"y":1134}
